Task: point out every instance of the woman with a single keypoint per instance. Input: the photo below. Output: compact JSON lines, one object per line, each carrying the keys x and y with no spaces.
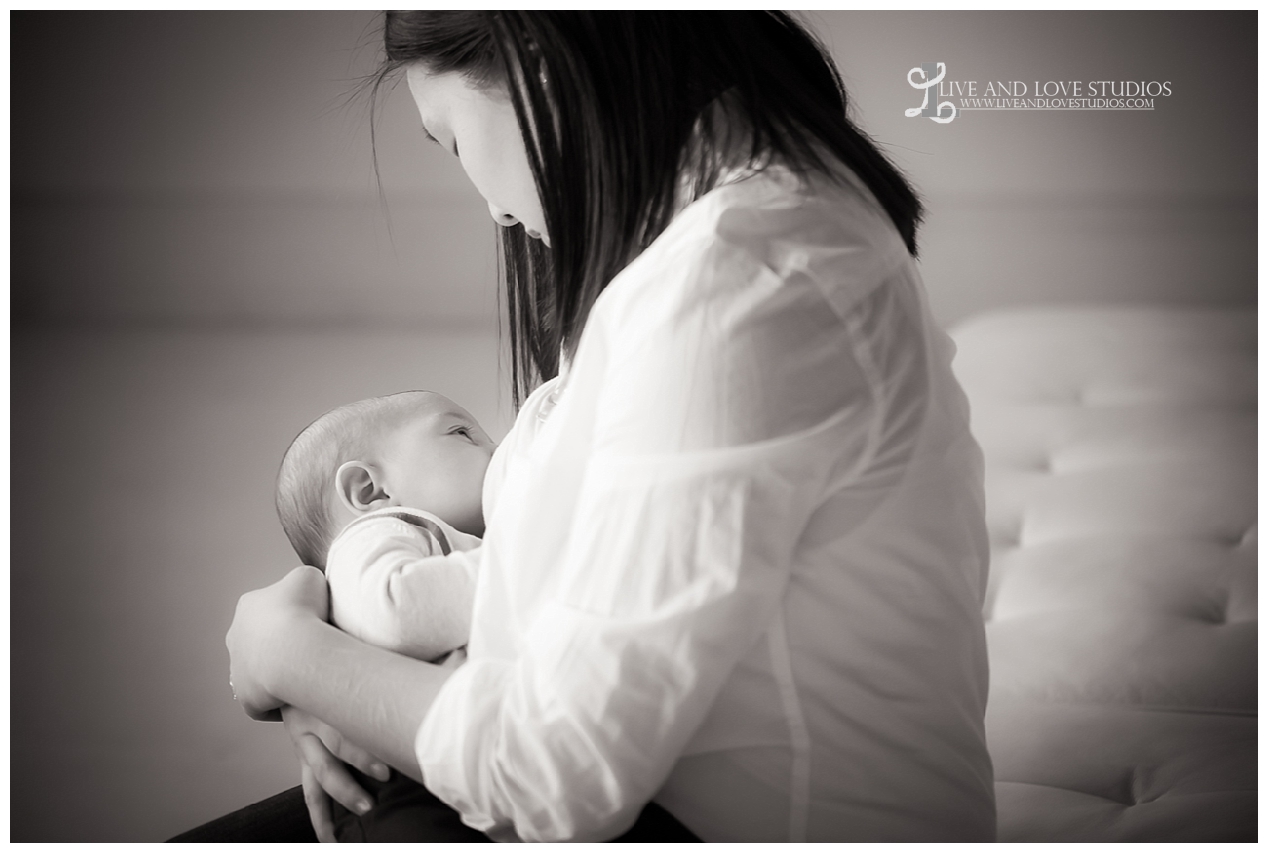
{"x":735,"y":551}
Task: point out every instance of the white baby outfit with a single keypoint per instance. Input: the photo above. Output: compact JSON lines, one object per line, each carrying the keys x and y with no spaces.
{"x":388,"y":572}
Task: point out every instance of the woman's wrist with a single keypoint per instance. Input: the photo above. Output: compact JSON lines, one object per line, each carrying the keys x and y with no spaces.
{"x":292,"y":652}
{"x":374,"y":697}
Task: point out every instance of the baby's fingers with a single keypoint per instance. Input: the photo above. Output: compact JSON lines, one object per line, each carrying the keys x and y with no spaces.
{"x":333,"y":776}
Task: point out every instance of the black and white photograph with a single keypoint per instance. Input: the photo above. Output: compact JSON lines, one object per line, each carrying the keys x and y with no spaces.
{"x":644,"y":426}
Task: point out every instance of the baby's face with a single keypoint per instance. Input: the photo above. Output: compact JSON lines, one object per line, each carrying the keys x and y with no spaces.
{"x":435,"y":460}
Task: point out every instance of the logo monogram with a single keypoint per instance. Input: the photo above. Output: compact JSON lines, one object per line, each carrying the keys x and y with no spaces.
{"x":932,"y":72}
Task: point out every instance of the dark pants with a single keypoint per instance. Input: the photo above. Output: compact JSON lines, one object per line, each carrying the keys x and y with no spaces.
{"x":403,"y":811}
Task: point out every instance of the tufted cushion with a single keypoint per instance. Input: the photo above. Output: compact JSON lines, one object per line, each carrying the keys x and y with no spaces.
{"x":1121,"y":614}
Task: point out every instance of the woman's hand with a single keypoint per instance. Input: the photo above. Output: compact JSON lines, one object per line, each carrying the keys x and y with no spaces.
{"x":282,"y":651}
{"x":266,"y":619}
{"x":324,"y":755}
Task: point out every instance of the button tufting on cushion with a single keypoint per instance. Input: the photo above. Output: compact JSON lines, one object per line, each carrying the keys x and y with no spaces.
{"x":1120,"y":448}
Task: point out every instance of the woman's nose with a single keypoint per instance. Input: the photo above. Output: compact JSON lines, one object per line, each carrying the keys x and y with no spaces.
{"x":501,"y":217}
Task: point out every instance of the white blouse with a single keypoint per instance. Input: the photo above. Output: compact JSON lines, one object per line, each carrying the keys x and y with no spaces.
{"x":739,"y":568}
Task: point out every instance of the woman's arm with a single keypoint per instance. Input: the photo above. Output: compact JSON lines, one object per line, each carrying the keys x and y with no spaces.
{"x":283,"y":652}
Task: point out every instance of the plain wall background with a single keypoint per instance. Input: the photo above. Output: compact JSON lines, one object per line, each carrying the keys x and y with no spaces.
{"x":201,"y":263}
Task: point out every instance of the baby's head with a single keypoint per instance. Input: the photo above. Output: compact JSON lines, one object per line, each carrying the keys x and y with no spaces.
{"x":417,"y":449}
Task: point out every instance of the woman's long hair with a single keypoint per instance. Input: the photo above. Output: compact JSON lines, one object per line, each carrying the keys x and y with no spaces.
{"x":614,"y":110}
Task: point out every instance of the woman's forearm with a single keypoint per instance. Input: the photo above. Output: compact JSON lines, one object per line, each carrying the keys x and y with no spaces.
{"x":374,"y":697}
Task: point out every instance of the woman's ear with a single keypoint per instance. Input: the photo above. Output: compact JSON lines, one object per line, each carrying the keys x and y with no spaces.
{"x":359,"y":487}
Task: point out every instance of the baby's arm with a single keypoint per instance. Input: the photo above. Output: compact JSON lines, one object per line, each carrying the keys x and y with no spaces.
{"x":391,"y":585}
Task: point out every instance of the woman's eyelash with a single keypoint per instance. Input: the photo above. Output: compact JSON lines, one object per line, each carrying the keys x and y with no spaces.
{"x":427,"y":133}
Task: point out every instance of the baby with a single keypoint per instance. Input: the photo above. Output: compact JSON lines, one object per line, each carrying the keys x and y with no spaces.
{"x":379,"y":494}
{"x":384,"y":495}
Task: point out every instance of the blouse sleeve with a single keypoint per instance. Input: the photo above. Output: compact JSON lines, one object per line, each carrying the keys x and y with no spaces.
{"x":392,"y":585}
{"x":726,"y":397}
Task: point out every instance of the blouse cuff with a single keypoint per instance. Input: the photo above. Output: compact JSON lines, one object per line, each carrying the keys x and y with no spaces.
{"x":465,"y":704}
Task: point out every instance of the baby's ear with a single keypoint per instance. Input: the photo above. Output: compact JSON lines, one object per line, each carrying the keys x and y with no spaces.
{"x":359,"y":488}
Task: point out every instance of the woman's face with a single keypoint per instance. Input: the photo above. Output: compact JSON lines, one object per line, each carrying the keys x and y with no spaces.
{"x":480,"y":128}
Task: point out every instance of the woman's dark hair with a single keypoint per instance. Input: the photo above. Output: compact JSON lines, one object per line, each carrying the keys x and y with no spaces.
{"x":613,"y":107}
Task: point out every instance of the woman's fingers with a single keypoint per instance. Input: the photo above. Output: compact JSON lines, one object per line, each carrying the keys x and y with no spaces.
{"x":322,"y":752}
{"x":305,"y":587}
{"x":318,"y":802}
{"x":300,"y":722}
{"x":349,"y":753}
{"x":263,"y":622}
{"x":332,"y":775}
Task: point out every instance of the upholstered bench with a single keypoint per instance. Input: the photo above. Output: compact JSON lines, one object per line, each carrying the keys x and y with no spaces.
{"x":1120,"y":450}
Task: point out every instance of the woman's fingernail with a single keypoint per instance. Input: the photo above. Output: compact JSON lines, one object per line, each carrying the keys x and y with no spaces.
{"x":380,"y":771}
{"x":363,"y":806}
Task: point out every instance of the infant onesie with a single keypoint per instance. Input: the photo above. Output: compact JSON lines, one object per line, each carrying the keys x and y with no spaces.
{"x":395,"y":575}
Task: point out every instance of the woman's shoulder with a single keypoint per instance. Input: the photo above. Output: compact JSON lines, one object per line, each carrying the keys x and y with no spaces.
{"x":815,"y":237}
{"x":828,"y":227}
